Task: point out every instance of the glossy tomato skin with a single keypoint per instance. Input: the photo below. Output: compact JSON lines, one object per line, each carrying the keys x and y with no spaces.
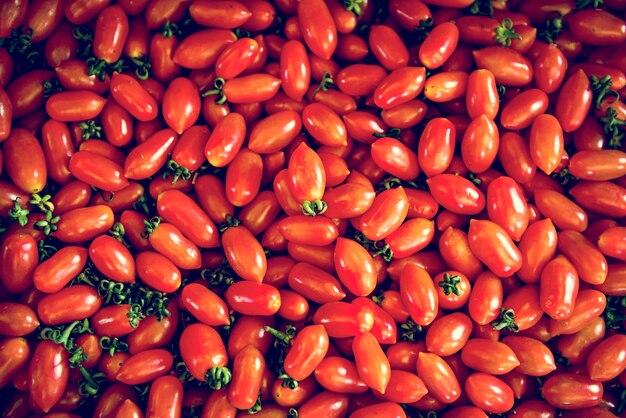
{"x":153,"y":333}
{"x":18,"y":259}
{"x":489,"y":393}
{"x":441,"y":382}
{"x":83,"y":224}
{"x":144,"y":367}
{"x":253,"y":298}
{"x":202,"y":349}
{"x":419,"y":294}
{"x":181,"y":104}
{"x":504,"y":258}
{"x":54,"y":274}
{"x":148,"y":157}
{"x":559,"y":288}
{"x":589,"y":304}
{"x":372,"y":365}
{"x":15,"y":354}
{"x":572,"y":391}
{"x":48,"y":374}
{"x":17,"y":319}
{"x":508,"y":66}
{"x":133,"y":97}
{"x":73,"y":303}
{"x":386,"y":214}
{"x":574,"y":101}
{"x":457,"y":194}
{"x":165,"y":398}
{"x":25,"y":161}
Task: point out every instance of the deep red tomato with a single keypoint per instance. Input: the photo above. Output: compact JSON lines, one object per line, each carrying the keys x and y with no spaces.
{"x":535,"y":357}
{"x":110,"y":33}
{"x":419,"y":294}
{"x":24,"y":161}
{"x":147,"y":158}
{"x":48,"y":374}
{"x":181,"y":104}
{"x":371,"y":363}
{"x":83,"y":224}
{"x":481,"y":97}
{"x":503,"y":258}
{"x":17,"y":319}
{"x":153,"y":332}
{"x":144,"y":367}
{"x":18,"y":259}
{"x":489,"y":393}
{"x":252,"y":298}
{"x":589,"y":305}
{"x":571,"y":391}
{"x":492,"y":357}
{"x":205,"y":305}
{"x":508,"y":66}
{"x":129,"y":94}
{"x":15,"y":354}
{"x":589,"y":262}
{"x":72,"y":303}
{"x":559,"y":288}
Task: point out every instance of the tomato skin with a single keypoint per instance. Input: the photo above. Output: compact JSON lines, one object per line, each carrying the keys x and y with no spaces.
{"x":457,"y":194}
{"x":385,"y":215}
{"x":253,"y":298}
{"x":482,"y":97}
{"x":226,"y":140}
{"x":48,"y":374}
{"x":550,"y":67}
{"x":148,"y":157}
{"x":318,"y":27}
{"x":323,"y":124}
{"x":113,"y":321}
{"x":243,"y":177}
{"x":436,"y":146}
{"x":181,"y":104}
{"x":17,"y":320}
{"x":371,"y":363}
{"x":535,"y":256}
{"x":597,"y":165}
{"x":134,"y":98}
{"x":571,"y":391}
{"x":18,"y":260}
{"x":509,"y":67}
{"x":446,"y":87}
{"x":489,"y":393}
{"x":110,"y":33}
{"x":492,"y":357}
{"x":144,"y":367}
{"x":395,"y":158}
{"x":24,"y":161}
{"x":153,"y":333}
{"x":418,"y":294}
{"x":480,"y":143}
{"x":589,"y":305}
{"x":221,"y":14}
{"x":15,"y":354}
{"x":54,"y":274}
{"x":597,"y":27}
{"x":521,"y":110}
{"x":589,"y":262}
{"x":295,"y":70}
{"x":504,"y":258}
{"x":507,"y":206}
{"x":574,"y":101}
{"x":72,"y":303}
{"x":559,"y":288}
{"x":193,"y":221}
{"x":6,"y":114}
{"x":315,"y":284}
{"x":83,"y":224}
{"x":441,"y":383}
{"x":204,"y":305}
{"x":98,"y":171}
{"x":244,"y":253}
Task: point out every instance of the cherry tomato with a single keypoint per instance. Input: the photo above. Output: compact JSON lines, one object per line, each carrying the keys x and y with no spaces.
{"x":17,"y":320}
{"x":144,"y":367}
{"x":571,"y":391}
{"x":489,"y":393}
{"x":48,"y":374}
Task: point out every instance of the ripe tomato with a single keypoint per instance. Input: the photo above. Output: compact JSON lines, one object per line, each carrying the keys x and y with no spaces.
{"x":371,"y":363}
{"x":17,"y":320}
{"x":492,"y":357}
{"x":48,"y":374}
{"x":150,"y":156}
{"x":481,"y":97}
{"x":494,"y":247}
{"x":110,"y":33}
{"x":248,"y":369}
{"x":24,"y":161}
{"x":181,"y":104}
{"x":145,"y":367}
{"x":15,"y":354}
{"x":252,"y":298}
{"x":318,"y":27}
{"x":571,"y":391}
{"x":489,"y":393}
{"x":418,"y":294}
{"x":457,"y":194}
{"x":18,"y":260}
{"x":441,"y":382}
{"x":386,"y":214}
{"x":559,"y":288}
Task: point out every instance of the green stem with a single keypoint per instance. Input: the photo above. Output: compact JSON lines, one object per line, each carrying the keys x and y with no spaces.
{"x":317,"y":207}
{"x":450,"y":284}
{"x":506,"y":321}
{"x":218,"y":377}
{"x":282,"y":338}
{"x":505,"y":33}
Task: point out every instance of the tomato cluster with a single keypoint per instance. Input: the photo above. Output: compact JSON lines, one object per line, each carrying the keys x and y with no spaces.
{"x":312,"y":208}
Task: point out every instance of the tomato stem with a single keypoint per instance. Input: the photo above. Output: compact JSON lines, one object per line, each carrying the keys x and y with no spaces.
{"x":18,"y":213}
{"x":177,"y":171}
{"x":51,"y":87}
{"x":481,"y":8}
{"x":151,"y":225}
{"x":410,"y":331}
{"x":505,"y":32}
{"x":282,"y":338}
{"x":588,"y":4}
{"x":424,"y":28}
{"x":317,"y":207}
{"x":257,"y":407}
{"x":218,"y":377}
{"x":354,"y":6}
{"x":63,"y":335}
{"x":113,"y":345}
{"x":611,"y":126}
{"x":45,"y":250}
{"x":383,"y":250}
{"x":550,"y":30}
{"x":293,"y":413}
{"x":221,"y":277}
{"x":229,"y":223}
{"x":506,"y":320}
{"x":90,"y":129}
{"x":49,"y":224}
{"x":135,"y":315}
{"x":450,"y":284}
{"x":601,"y":88}
{"x":288,"y":382}
{"x":218,"y":91}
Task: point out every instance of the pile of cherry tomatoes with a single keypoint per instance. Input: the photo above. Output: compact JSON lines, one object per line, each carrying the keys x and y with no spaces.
{"x":312,"y":208}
